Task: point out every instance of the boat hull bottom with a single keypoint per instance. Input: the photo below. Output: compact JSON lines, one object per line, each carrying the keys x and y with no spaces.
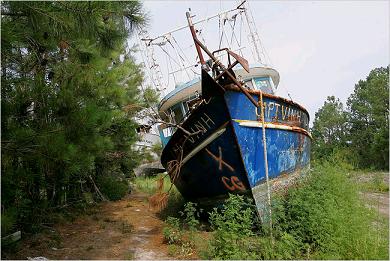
{"x":277,"y":185}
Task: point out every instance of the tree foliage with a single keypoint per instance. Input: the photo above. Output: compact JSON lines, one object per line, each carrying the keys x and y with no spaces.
{"x":329,"y":128}
{"x":368,"y":109}
{"x":69,"y":94}
{"x":362,"y":131}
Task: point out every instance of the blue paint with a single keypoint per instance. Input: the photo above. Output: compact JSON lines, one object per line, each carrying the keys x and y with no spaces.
{"x":286,"y":151}
{"x":240,"y":147}
{"x":164,"y":139}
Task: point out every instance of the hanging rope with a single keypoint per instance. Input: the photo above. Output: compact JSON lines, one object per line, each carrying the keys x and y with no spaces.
{"x":182,"y":65}
{"x":266,"y":164}
{"x":170,"y":57}
{"x":220,"y":32}
{"x":233,"y":31}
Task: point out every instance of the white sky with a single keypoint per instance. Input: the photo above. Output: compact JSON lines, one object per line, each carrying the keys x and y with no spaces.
{"x":320,"y":48}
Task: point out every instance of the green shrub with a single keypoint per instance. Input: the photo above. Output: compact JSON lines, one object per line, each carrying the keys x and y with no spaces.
{"x":180,"y":233}
{"x":320,"y":218}
{"x":191,"y":216}
{"x":233,"y":228}
{"x":172,"y":232}
{"x":326,"y":218}
{"x":113,"y":187}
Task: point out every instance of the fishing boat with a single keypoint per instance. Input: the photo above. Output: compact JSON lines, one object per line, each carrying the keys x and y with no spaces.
{"x":228,"y":132}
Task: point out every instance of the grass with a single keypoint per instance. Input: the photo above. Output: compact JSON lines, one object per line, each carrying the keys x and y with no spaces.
{"x":321,"y":218}
{"x":175,"y":203}
{"x":325,"y":218}
{"x":148,"y":185}
{"x":377,"y":182}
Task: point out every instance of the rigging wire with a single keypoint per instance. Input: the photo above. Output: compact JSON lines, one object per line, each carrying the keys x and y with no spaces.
{"x":220,"y":33}
{"x":241,"y":23}
{"x":185,"y":56}
{"x":233,"y":29}
{"x":167,"y":53}
{"x":182,"y":65}
{"x":147,"y":63}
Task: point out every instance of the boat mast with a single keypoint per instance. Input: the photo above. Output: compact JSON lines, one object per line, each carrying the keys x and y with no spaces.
{"x":193,"y":33}
{"x":252,"y":31}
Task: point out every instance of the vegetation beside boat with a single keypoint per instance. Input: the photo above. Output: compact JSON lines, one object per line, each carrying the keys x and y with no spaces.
{"x":307,"y":223}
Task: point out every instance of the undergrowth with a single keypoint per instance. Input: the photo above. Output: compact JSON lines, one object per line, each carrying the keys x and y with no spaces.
{"x":180,"y":233}
{"x":148,"y":185}
{"x":112,"y":187}
{"x":322,"y":217}
{"x":327,"y":220}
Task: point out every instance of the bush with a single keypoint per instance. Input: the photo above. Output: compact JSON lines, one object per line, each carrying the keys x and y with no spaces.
{"x":172,"y":232}
{"x":180,"y":233}
{"x":233,"y":228}
{"x":320,"y":218}
{"x":191,"y":216}
{"x":327,"y":219}
{"x":113,"y":187}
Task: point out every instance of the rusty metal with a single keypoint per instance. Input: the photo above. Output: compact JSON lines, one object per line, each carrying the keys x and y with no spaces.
{"x":220,"y":50}
{"x":244,"y":63}
{"x":192,"y":29}
{"x":229,"y":68}
{"x":217,"y":62}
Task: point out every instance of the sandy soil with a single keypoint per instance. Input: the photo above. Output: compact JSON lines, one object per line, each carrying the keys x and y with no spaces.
{"x":378,"y":201}
{"x":126,"y":229}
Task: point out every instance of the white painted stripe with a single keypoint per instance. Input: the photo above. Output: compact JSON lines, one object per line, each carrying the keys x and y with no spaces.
{"x":203,"y":144}
{"x":257,"y":124}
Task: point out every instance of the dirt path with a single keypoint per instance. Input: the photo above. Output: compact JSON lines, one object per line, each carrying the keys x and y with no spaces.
{"x":378,"y":201}
{"x":126,"y":229}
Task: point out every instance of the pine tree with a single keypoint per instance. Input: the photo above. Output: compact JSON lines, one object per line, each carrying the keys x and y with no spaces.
{"x":69,"y":95}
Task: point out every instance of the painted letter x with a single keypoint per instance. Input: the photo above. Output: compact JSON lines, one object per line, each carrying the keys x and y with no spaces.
{"x":220,"y":160}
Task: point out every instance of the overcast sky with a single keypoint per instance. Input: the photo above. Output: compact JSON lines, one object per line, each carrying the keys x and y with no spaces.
{"x":320,"y":48}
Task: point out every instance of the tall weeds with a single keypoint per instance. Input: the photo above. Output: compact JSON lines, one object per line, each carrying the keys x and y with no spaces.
{"x":321,"y":218}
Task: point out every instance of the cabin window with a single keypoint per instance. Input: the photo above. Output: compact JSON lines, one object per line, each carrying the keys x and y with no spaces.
{"x":263,"y":83}
{"x":177,"y":113}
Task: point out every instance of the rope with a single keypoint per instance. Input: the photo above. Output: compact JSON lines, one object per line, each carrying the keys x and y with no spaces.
{"x":185,"y":56}
{"x":182,"y":65}
{"x":233,"y":34}
{"x":266,"y":164}
{"x":146,"y":62}
{"x":221,"y":34}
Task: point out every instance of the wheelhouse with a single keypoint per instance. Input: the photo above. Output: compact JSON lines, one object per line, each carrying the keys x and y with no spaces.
{"x":177,"y":105}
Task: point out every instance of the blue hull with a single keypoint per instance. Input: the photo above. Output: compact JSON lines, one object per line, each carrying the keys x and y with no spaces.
{"x":226,"y":154}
